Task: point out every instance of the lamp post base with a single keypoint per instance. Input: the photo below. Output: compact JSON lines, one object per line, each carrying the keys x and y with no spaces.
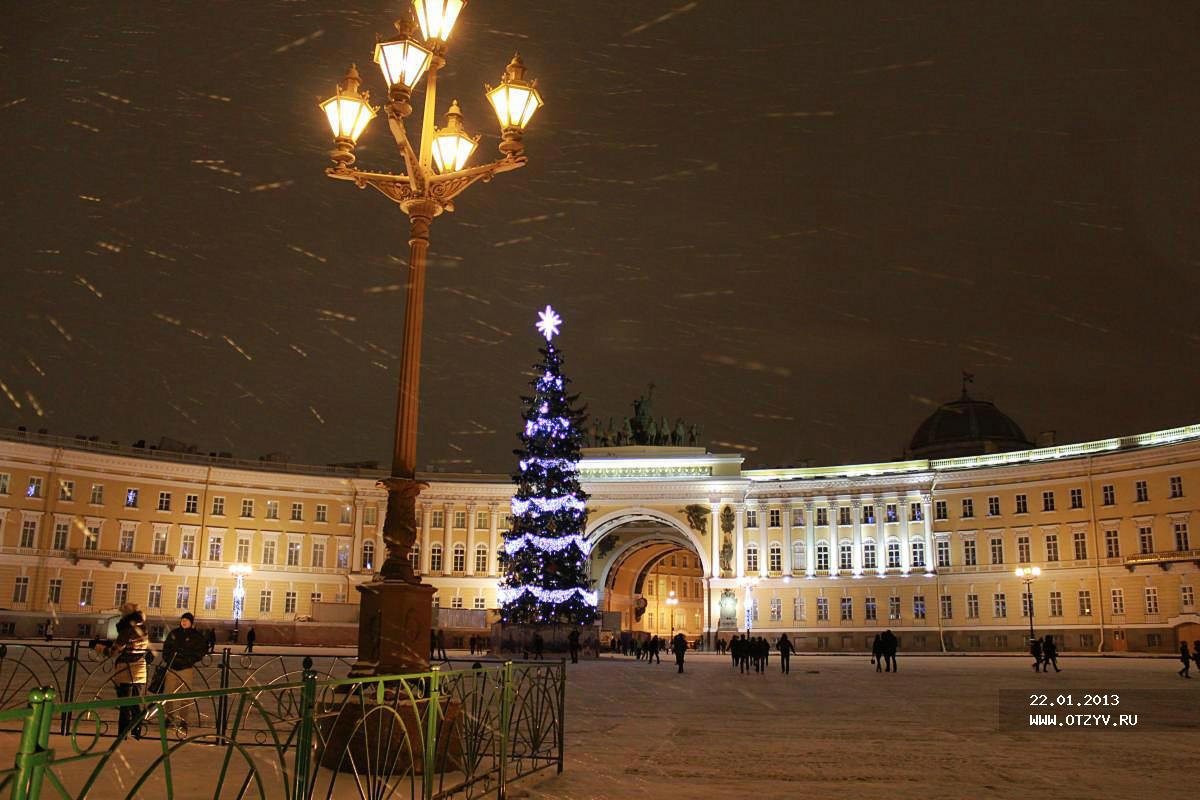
{"x":395,"y":618}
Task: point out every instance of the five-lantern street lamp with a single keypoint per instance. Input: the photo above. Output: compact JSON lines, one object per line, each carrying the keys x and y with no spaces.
{"x":239,"y":572}
{"x":435,"y":173}
{"x":672,"y":601}
{"x":1027,"y":575}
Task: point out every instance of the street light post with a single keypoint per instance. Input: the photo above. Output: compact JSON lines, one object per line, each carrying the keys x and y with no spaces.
{"x":1027,"y":575}
{"x":672,"y":601}
{"x":390,"y":637}
{"x":239,"y":572}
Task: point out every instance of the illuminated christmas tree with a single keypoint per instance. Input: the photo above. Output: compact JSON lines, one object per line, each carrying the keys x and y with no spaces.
{"x":545,"y":552}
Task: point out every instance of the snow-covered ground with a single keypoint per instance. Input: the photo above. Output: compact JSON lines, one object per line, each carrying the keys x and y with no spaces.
{"x":836,"y":728}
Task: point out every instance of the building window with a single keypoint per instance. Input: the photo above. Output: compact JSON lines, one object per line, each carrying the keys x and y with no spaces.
{"x":893,"y":554}
{"x":34,"y":489}
{"x":1080,"y":540}
{"x":752,"y":557}
{"x":847,"y":609}
{"x":268,"y":553}
{"x":754,"y":610}
{"x":289,"y":602}
{"x":893,"y":608}
{"x":1077,"y":498}
{"x":1026,"y":603}
{"x":973,"y":606}
{"x":968,"y":508}
{"x":247,"y":508}
{"x":775,"y":555}
{"x":61,"y":531}
{"x":969,"y":557}
{"x":868,"y":514}
{"x":438,"y":519}
{"x":86,"y":590}
{"x":125,"y":544}
{"x":28,"y":533}
{"x":210,"y":598}
{"x":131,"y":498}
{"x":91,"y":537}
{"x":776,"y":609}
{"x":1023,"y":550}
{"x":54,"y":591}
{"x":322,"y":513}
{"x":870,"y":610}
{"x":890,"y":513}
{"x":844,"y":515}
{"x":1112,"y":544}
{"x":460,"y":558}
{"x":21,"y":590}
{"x":1181,"y":536}
{"x":272,"y":509}
{"x":371,"y":515}
{"x":822,"y":517}
{"x":919,"y":606}
{"x":822,"y":609}
{"x":1118,"y":601}
{"x":214,"y":548}
{"x":264,"y":601}
{"x":751,"y":518}
{"x":1143,"y":492}
{"x":822,"y":556}
{"x":1056,"y":604}
{"x":164,"y":501}
{"x":481,"y":559}
{"x":414,"y":558}
{"x":314,"y":598}
{"x":797,"y":516}
{"x":918,"y":554}
{"x":4,"y":479}
{"x":293,"y":553}
{"x":773,"y":518}
{"x":460,"y":519}
{"x":97,"y":498}
{"x":66,"y":491}
{"x":1151,"y":600}
{"x":1176,"y":486}
{"x":243,"y":550}
{"x":1047,"y":501}
{"x":187,"y":547}
{"x":120,"y":594}
{"x":1187,"y":596}
{"x":845,"y":556}
{"x":154,"y":596}
{"x":191,"y":504}
{"x":318,"y":554}
{"x":940,"y":511}
{"x":1109,"y":494}
{"x":799,"y":556}
{"x":1052,"y":547}
{"x":943,"y":553}
{"x":1022,"y":504}
{"x":997,"y":546}
{"x":946,"y":603}
{"x":1085,"y":603}
{"x":999,"y":605}
{"x":435,"y":557}
{"x":218,"y":507}
{"x":1146,"y":539}
{"x":993,"y":506}
{"x":343,"y":556}
{"x":297,"y":512}
{"x":479,"y":603}
{"x":869,"y":555}
{"x":916,"y":512}
{"x":183,"y":597}
{"x":481,"y":520}
{"x":344,"y":519}
{"x":456,"y":602}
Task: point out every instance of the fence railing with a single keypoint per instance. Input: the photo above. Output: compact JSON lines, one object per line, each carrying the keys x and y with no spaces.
{"x":443,"y":733}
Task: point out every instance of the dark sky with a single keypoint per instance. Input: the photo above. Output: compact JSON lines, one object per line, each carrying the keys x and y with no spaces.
{"x":801,"y":221}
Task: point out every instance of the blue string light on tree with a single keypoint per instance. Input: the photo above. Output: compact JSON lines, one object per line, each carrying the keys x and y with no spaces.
{"x":545,"y":553}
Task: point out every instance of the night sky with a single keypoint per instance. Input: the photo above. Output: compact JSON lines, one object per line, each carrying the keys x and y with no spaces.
{"x":801,"y":221}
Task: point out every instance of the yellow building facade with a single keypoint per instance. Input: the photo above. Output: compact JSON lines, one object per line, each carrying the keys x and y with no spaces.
{"x":831,"y":555}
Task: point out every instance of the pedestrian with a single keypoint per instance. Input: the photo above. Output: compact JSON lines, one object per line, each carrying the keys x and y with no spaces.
{"x":1035,"y":650}
{"x":655,"y":647}
{"x":441,"y":645}
{"x":890,"y":645}
{"x":744,"y":654}
{"x":211,"y":636}
{"x":48,"y":630}
{"x":250,"y":637}
{"x":432,"y":644}
{"x":784,"y":646}
{"x":573,"y":646}
{"x":129,"y":652}
{"x":877,"y":653}
{"x":1196,"y":653}
{"x":735,"y":651}
{"x":1049,"y":653}
{"x":679,"y":647}
{"x":1186,"y":658}
{"x":183,"y":649}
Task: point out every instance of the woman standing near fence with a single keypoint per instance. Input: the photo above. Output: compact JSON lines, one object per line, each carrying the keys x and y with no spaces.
{"x":129,"y":653}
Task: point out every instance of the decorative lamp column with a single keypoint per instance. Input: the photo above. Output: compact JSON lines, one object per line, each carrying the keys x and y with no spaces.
{"x":239,"y":572}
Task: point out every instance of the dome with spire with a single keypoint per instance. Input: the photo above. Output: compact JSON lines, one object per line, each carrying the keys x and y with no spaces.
{"x":966,"y":427}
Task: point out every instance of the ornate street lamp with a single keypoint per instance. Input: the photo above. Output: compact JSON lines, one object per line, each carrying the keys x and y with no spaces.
{"x":672,"y":601}
{"x":1026,"y":576}
{"x":239,"y":571}
{"x":391,"y":639}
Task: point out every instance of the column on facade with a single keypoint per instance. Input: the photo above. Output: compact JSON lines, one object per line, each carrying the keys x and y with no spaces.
{"x":739,"y":540}
{"x":905,"y":551}
{"x":447,"y":538}
{"x":494,"y":537}
{"x":787,"y":537}
{"x":714,"y":538}
{"x":881,"y":536}
{"x":810,"y":534}
{"x":856,"y":521}
{"x":764,"y":539}
{"x":835,"y":550}
{"x":470,"y":539}
{"x":426,"y":536}
{"x":927,"y":508}
{"x":356,"y":553}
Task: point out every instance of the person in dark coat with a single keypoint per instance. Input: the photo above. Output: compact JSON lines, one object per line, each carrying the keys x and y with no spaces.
{"x":679,"y":648}
{"x":210,"y":636}
{"x":1186,"y":658}
{"x":1050,"y":653}
{"x":877,"y":653}
{"x":785,"y":648}
{"x":184,"y":648}
{"x":250,"y":637}
{"x":573,"y":646}
{"x":735,"y":651}
{"x":890,"y":645}
{"x":656,"y":646}
{"x":1035,"y":650}
{"x":539,"y":645}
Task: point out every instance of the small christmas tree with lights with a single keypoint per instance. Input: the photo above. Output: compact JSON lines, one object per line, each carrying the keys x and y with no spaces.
{"x":545,"y":552}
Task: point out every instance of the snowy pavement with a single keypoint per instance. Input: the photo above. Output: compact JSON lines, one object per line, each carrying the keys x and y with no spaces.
{"x":836,"y":728}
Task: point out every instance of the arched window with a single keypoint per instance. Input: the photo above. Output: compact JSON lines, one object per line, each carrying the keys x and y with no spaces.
{"x":481,"y":559}
{"x":414,"y":558}
{"x":752,"y":557}
{"x":918,"y":553}
{"x":799,"y":557}
{"x":823,"y":556}
{"x":845,"y":555}
{"x":893,"y":554}
{"x":460,"y":558}
{"x":775,"y":559}
{"x":368,"y":554}
{"x":869,"y":555}
{"x":435,"y":557}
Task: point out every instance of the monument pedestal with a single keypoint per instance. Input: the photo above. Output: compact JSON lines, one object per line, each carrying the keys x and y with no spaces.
{"x":393,"y":628}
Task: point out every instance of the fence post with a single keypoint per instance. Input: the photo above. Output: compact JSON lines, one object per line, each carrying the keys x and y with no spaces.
{"x":506,"y":700}
{"x":223,"y":700}
{"x":304,"y":737}
{"x":69,"y":687}
{"x":33,"y":749}
{"x":431,"y":730}
{"x":562,"y":711}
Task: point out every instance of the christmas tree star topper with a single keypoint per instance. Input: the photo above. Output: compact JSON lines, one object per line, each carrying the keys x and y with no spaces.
{"x":548,"y":322}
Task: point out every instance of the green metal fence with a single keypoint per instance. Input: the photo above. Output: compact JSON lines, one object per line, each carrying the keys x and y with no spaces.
{"x":442,"y":733}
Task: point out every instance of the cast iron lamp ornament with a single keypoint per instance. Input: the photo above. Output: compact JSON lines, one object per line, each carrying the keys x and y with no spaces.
{"x":422,"y":192}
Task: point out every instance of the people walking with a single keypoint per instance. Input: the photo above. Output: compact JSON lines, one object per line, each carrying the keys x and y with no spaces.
{"x":877,"y":653}
{"x":250,"y":637}
{"x":1035,"y":650}
{"x":785,"y":648}
{"x":573,"y":646}
{"x":129,"y":652}
{"x":1186,"y":658}
{"x":679,"y":647}
{"x":890,"y":645}
{"x":1049,"y":654}
{"x":735,"y":651}
{"x":655,"y":646}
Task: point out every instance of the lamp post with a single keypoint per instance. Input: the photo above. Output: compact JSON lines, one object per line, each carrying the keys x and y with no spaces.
{"x":435,"y":174}
{"x":1026,"y":576}
{"x":672,"y":601}
{"x":239,"y":571}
